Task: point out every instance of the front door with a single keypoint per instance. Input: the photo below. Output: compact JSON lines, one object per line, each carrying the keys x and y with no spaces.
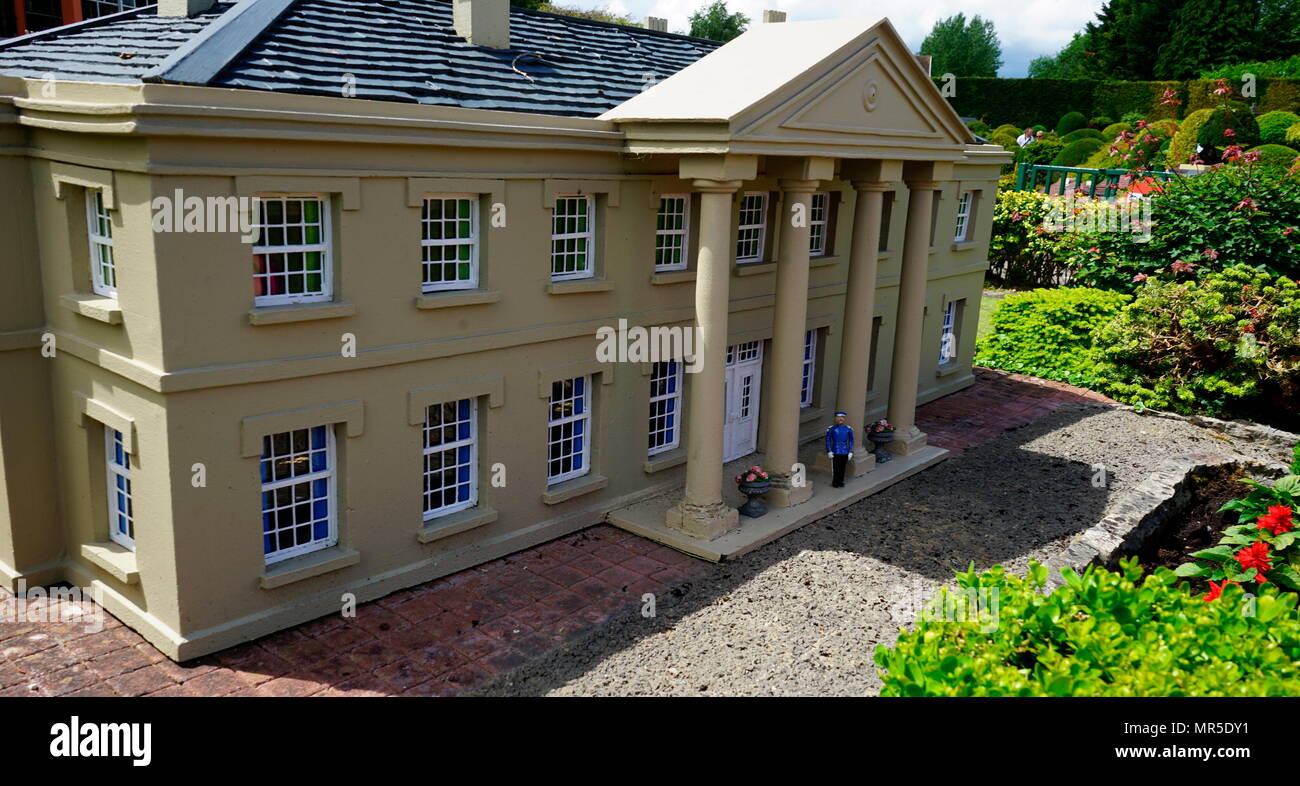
{"x":744,"y":377}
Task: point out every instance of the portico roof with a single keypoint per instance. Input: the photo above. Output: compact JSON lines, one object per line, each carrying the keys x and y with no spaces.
{"x":842,"y":87}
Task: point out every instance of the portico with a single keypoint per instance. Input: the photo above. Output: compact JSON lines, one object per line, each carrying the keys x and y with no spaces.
{"x":808,"y":107}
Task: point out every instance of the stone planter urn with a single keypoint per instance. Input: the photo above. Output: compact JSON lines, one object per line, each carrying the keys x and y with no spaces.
{"x":881,"y":434}
{"x":753,"y":483}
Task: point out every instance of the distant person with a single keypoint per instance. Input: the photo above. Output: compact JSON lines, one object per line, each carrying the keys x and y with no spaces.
{"x":1039,"y":136}
{"x":1026,"y":137}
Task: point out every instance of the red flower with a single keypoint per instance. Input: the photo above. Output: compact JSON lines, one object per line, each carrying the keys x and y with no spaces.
{"x":1140,"y":277}
{"x":1229,"y":133}
{"x":1255,"y":557}
{"x":1251,"y":156}
{"x":1211,"y":253}
{"x":1221,"y":88}
{"x":1277,"y":520}
{"x":1217,"y":589}
{"x":1182,"y":267}
{"x":1248,"y":329}
{"x":1288,"y":232}
{"x":1232,"y":152}
{"x":1247,"y":204}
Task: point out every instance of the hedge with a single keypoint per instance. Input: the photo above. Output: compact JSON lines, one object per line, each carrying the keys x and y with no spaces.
{"x":1023,"y":102}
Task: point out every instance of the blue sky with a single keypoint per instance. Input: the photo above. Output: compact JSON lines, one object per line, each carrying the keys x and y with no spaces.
{"x":1027,"y":28}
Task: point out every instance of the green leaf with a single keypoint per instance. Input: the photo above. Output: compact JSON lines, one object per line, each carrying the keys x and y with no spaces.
{"x":1285,"y":576}
{"x":1216,"y":554}
{"x":1192,"y":570}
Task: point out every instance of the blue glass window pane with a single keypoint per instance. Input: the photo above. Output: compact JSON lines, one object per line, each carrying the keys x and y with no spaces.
{"x":318,"y":462}
{"x":120,"y":482}
{"x":319,"y":488}
{"x":671,"y":422}
{"x":463,"y":431}
{"x":577,"y":427}
{"x":318,"y":438}
{"x":577,"y":449}
{"x":320,"y":509}
{"x":121,"y":503}
{"x":464,"y":409}
{"x":462,"y":475}
{"x":266,"y":447}
{"x":268,"y":544}
{"x":121,"y":524}
{"x":268,"y":500}
{"x":266,"y":472}
{"x":320,"y":530}
{"x":578,"y":385}
{"x":268,"y":522}
{"x":462,"y":493}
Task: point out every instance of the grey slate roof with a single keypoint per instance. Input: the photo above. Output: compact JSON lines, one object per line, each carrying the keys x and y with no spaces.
{"x":387,"y":50}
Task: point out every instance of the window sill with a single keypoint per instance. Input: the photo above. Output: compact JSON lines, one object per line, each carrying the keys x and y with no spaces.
{"x":569,"y":489}
{"x":965,"y":245}
{"x":579,"y":286}
{"x":755,"y":268}
{"x":308,"y":566}
{"x":456,"y":297}
{"x":118,"y":560}
{"x":808,"y":414}
{"x":666,"y":460}
{"x":824,"y":261}
{"x":104,"y":309}
{"x":949,"y":369}
{"x":455,"y":523}
{"x":672,"y":277}
{"x":299,"y":312}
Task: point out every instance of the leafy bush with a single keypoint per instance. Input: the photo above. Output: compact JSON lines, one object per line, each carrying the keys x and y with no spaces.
{"x":1015,"y":130}
{"x":1288,"y":68}
{"x":1103,"y":633}
{"x":1101,"y":121}
{"x":1293,"y":135}
{"x":1082,"y":133}
{"x":1227,"y":125}
{"x":1070,"y":121}
{"x":1115,"y":129}
{"x":1227,"y":345}
{"x":1021,"y":252}
{"x":1183,"y":145}
{"x":1040,"y":152}
{"x":1048,"y":333}
{"x":1132,"y":118}
{"x":1233,"y":214}
{"x":1075,"y":153}
{"x":1259,"y":547}
{"x":1275,"y":155}
{"x":979,"y":128}
{"x":1142,"y":149}
{"x":1273,"y":126}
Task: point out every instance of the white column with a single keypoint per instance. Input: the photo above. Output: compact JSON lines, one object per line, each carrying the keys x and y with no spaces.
{"x":906,"y":368}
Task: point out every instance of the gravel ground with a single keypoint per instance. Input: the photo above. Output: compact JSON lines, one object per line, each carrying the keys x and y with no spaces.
{"x":803,"y":615}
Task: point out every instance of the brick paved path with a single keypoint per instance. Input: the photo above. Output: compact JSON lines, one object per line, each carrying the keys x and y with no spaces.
{"x":447,"y":635}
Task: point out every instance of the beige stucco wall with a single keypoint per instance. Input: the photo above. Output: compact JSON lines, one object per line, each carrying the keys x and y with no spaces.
{"x":188,"y":368}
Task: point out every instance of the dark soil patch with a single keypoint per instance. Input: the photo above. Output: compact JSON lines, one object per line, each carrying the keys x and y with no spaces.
{"x":1201,"y":524}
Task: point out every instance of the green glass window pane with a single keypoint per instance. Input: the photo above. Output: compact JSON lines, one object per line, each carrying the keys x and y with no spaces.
{"x":313,"y":260}
{"x":582,"y":225}
{"x":464,"y":208}
{"x":464,"y":229}
{"x":463,"y":271}
{"x":312,"y":211}
{"x":464,"y":253}
{"x":314,"y":282}
{"x":313,"y":234}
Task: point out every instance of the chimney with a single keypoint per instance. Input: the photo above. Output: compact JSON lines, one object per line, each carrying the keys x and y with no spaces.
{"x":773,"y":16}
{"x":183,"y":7}
{"x":655,"y":23}
{"x":482,"y":22}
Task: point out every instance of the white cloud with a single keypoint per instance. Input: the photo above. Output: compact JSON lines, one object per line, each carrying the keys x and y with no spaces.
{"x":1027,"y":28}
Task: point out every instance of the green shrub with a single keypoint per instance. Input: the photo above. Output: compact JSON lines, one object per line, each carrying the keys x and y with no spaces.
{"x":1234,"y":214}
{"x":1226,"y":345}
{"x":1293,"y":136}
{"x":1115,"y":129}
{"x":1020,"y":253}
{"x":1048,"y":333}
{"x":1103,"y":633}
{"x":1075,"y":153}
{"x":1275,"y":155}
{"x":1273,"y":126}
{"x":1132,"y":118}
{"x":1070,"y":121}
{"x":1227,"y":125}
{"x":1082,"y":133}
{"x":979,"y":128}
{"x":1040,"y":152}
{"x":1272,"y":69}
{"x":1015,"y":130}
{"x":1101,"y":121}
{"x":1183,"y":146}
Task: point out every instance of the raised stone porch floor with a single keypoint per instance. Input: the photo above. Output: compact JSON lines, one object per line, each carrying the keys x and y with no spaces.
{"x":648,"y":517}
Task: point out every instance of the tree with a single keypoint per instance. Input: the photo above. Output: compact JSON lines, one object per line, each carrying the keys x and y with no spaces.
{"x":1128,"y":36}
{"x":716,"y":23}
{"x":1074,"y":61}
{"x":963,"y":48}
{"x":1208,"y":33}
{"x":1279,"y":30}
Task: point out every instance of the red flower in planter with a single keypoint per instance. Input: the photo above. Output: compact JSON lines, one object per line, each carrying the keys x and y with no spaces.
{"x":1217,"y":589}
{"x":1277,"y":520}
{"x":1255,"y":557}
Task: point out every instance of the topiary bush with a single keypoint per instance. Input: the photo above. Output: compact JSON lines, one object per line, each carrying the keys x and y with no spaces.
{"x":1082,"y":133}
{"x":1132,"y":118}
{"x":1293,"y":136}
{"x":979,"y":128}
{"x":1021,"y":253}
{"x":1228,"y":125}
{"x":1273,"y":126}
{"x":1100,"y":122}
{"x":1275,"y":155}
{"x":1115,"y":129}
{"x":1183,"y":145}
{"x":1015,"y":130}
{"x":1226,"y":345}
{"x":1070,"y":121}
{"x":1040,"y":152}
{"x":1075,"y":153}
{"x":1048,"y":333}
{"x":1104,"y":633}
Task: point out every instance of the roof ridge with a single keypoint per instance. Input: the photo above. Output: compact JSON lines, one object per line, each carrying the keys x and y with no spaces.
{"x":603,"y":23}
{"x":75,"y":26}
{"x":199,"y":60}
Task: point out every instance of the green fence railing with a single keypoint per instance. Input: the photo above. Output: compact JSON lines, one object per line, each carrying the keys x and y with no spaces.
{"x":1103,"y":183}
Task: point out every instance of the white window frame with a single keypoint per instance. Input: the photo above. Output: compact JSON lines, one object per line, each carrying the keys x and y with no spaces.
{"x":473,"y":241}
{"x":754,"y":234}
{"x":329,"y":474}
{"x":808,"y":369}
{"x":324,"y":247}
{"x":949,"y":329}
{"x":668,"y":240}
{"x":102,"y":255}
{"x":962,"y":230}
{"x":663,"y":404}
{"x":117,"y":470}
{"x":553,"y":422}
{"x":564,"y":237}
{"x":817,"y":243}
{"x":448,"y":446}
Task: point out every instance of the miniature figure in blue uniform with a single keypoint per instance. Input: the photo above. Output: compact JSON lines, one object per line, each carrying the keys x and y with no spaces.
{"x":839,"y":446}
